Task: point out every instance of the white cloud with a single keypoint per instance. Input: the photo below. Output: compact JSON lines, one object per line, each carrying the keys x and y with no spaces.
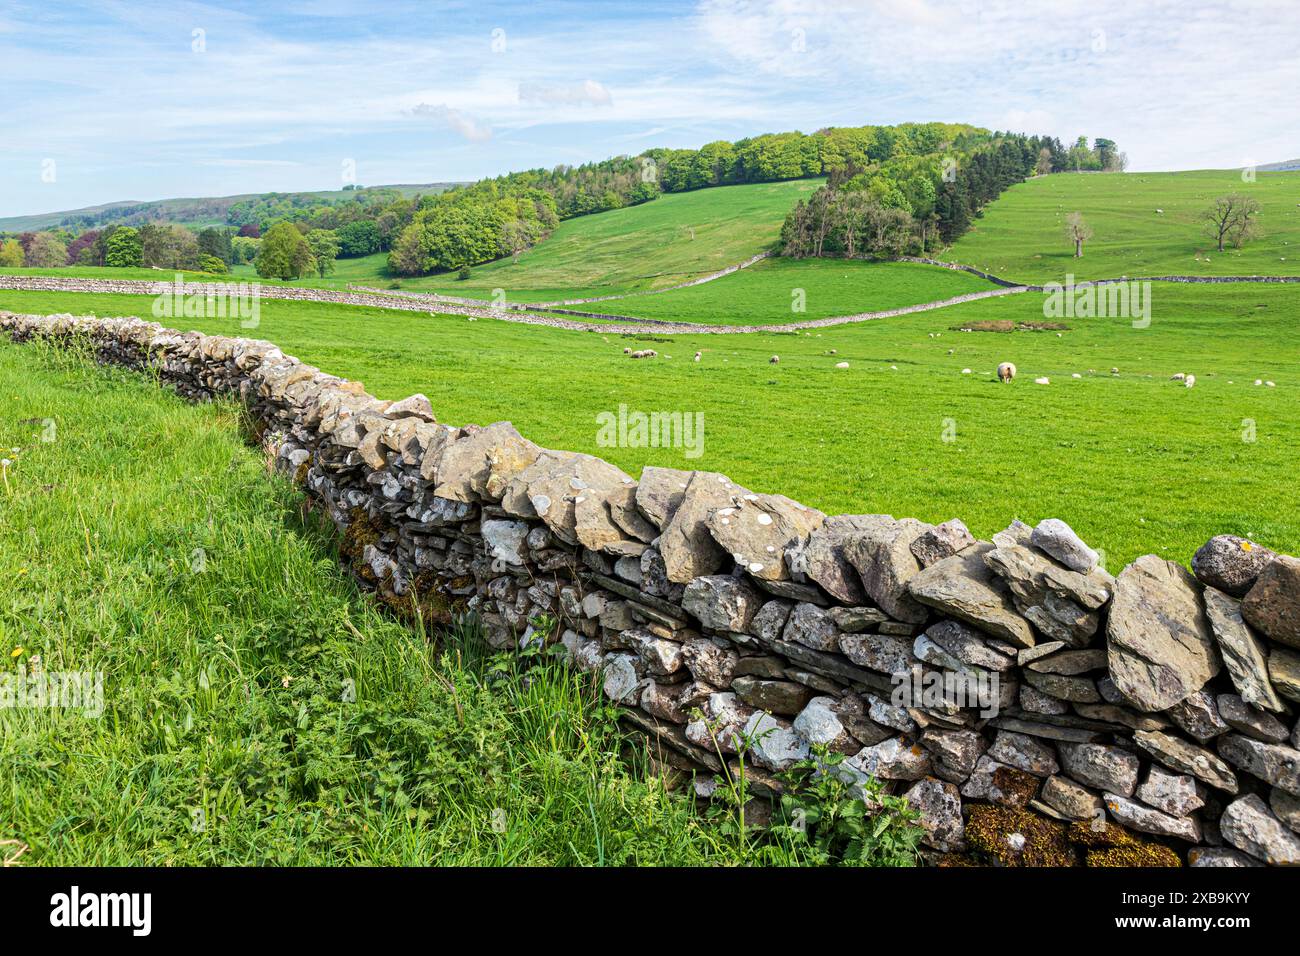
{"x":586,"y":93}
{"x":466,"y":126}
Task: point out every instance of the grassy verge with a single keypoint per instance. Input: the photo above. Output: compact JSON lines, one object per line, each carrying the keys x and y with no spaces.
{"x":256,"y":708}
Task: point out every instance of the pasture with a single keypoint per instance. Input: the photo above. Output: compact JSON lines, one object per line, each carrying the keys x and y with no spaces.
{"x":777,"y":291}
{"x":1137,"y":463}
{"x":1143,"y":224}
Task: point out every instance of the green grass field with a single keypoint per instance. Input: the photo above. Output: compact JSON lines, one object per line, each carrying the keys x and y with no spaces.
{"x":1022,"y":235}
{"x":768,"y":292}
{"x":256,"y":707}
{"x":1136,"y":463}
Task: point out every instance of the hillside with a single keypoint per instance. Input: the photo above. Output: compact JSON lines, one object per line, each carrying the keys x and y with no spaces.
{"x":195,"y":211}
{"x":676,"y":238}
{"x":1143,"y":224}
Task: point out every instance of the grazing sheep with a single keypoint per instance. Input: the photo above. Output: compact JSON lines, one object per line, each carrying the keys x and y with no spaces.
{"x":697,"y":356}
{"x":1076,"y":375}
{"x":627,"y":351}
{"x":841,"y":364}
{"x":1043,"y":381}
{"x":774,"y":360}
{"x":965,"y":371}
{"x":1006,"y":372}
{"x":1114,"y":371}
{"x":1189,"y":381}
{"x":1178,"y":377}
{"x":644,"y":353}
{"x":1271,"y":384}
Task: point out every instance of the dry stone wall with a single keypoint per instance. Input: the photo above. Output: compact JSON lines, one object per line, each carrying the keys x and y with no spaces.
{"x":1032,"y":706}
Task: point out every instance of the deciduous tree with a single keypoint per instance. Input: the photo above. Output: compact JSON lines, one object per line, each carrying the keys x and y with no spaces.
{"x":284,"y":253}
{"x":124,"y":249}
{"x":1233,"y":218}
{"x":324,"y":246}
{"x":1077,"y":231}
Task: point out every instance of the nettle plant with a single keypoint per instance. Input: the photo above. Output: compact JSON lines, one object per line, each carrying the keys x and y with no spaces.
{"x":826,"y":816}
{"x":844,"y":819}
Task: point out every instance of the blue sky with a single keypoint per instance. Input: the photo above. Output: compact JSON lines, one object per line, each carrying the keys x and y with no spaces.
{"x":139,"y":100}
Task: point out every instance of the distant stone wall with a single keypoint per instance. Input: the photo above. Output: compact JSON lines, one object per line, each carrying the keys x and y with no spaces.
{"x":1034,"y":708}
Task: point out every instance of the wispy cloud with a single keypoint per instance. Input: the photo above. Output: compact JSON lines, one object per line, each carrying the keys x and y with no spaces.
{"x":466,"y":126}
{"x":586,"y":93}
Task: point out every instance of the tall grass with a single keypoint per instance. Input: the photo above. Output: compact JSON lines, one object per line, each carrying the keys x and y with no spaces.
{"x":258,"y":708}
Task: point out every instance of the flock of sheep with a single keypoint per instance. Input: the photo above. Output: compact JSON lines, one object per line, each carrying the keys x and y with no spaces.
{"x":1006,"y":370}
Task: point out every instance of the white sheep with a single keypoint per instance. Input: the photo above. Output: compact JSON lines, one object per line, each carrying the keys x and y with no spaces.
{"x":697,"y":356}
{"x":1189,"y":381}
{"x":1178,"y":377}
{"x":774,"y":360}
{"x":1006,"y":372}
{"x":1043,"y":381}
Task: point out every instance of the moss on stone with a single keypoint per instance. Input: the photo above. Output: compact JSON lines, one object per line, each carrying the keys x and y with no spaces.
{"x":1139,"y":854}
{"x":1018,"y":787}
{"x":991,"y":833}
{"x":1111,"y":845}
{"x":956,"y":860}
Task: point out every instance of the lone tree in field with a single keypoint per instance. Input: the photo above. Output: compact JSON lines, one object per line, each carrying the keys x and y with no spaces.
{"x":1233,"y":217}
{"x":1078,"y":232}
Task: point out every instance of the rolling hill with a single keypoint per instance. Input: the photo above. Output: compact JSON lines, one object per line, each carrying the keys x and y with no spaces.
{"x":1144,"y":224}
{"x":195,"y":211}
